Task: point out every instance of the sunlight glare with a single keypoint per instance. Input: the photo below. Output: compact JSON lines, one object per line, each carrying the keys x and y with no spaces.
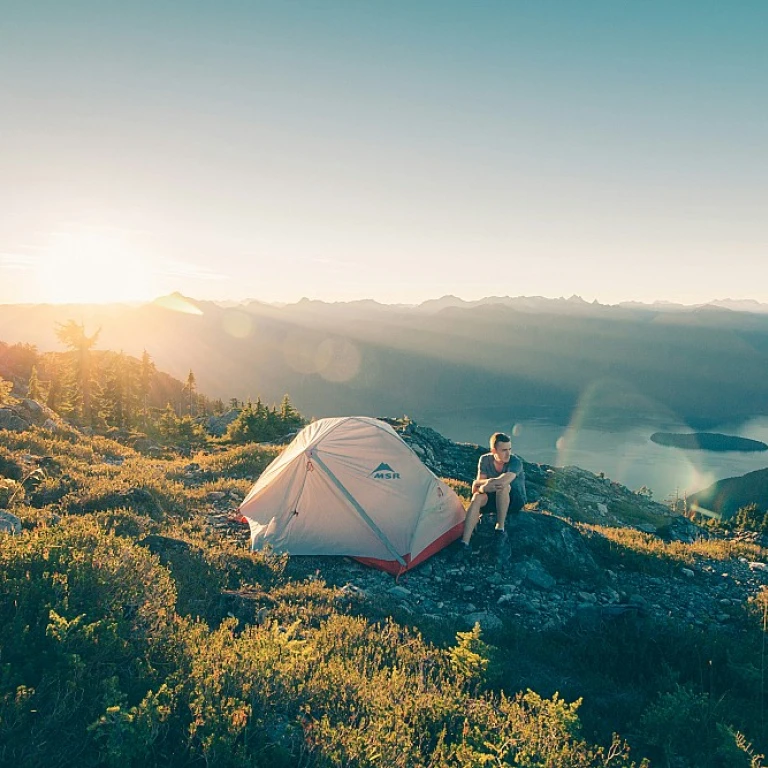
{"x":93,"y":266}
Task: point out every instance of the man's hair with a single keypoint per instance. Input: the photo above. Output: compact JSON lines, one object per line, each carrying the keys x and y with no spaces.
{"x":499,"y":437}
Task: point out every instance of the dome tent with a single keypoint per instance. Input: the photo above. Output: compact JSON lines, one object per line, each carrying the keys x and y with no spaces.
{"x":351,"y":486}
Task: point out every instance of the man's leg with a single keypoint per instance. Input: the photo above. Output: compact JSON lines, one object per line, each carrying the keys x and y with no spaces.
{"x":502,"y":506}
{"x":473,"y":515}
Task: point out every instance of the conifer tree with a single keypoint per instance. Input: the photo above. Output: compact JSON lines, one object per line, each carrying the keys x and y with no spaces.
{"x":35,"y":389}
{"x":189,"y":388}
{"x":146,"y":374}
{"x":290,"y":417}
{"x":74,"y":337}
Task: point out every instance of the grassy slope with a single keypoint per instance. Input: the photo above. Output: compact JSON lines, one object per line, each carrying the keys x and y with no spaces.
{"x":132,"y":633}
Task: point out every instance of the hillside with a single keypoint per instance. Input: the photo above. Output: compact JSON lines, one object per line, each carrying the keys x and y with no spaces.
{"x":726,"y":497}
{"x":137,"y":628}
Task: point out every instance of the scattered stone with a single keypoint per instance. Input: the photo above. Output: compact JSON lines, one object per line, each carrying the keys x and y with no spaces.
{"x":9,"y":523}
{"x":487,"y":621}
{"x":354,"y":590}
{"x":399,"y":592}
{"x":687,"y":572}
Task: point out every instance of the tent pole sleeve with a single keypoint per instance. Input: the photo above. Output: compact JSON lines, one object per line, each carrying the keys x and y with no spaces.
{"x":348,"y":496}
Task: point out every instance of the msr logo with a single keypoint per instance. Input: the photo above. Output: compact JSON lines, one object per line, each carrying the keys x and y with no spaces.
{"x":384,"y":472}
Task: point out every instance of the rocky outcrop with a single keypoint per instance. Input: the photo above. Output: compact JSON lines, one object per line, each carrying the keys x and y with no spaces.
{"x":11,"y":421}
{"x":550,"y":573}
{"x":20,"y":415}
{"x":217,"y":425}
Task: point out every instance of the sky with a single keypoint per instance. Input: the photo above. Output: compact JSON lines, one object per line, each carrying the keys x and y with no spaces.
{"x":400,"y":151}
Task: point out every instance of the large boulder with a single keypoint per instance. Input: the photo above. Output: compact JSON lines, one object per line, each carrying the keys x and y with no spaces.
{"x":10,"y":420}
{"x":217,"y":425}
{"x":557,"y":545}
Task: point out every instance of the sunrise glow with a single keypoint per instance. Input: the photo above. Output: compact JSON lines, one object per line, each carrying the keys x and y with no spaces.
{"x":93,"y":266}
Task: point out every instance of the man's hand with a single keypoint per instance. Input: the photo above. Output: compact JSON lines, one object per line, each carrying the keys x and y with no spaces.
{"x":494,"y":484}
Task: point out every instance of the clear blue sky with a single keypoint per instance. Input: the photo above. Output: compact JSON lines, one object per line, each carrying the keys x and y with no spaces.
{"x":389,"y":150}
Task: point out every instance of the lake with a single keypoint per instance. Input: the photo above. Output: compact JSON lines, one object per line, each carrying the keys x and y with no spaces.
{"x":624,"y":453}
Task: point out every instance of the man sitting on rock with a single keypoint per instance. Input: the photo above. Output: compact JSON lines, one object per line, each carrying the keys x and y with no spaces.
{"x":501,"y":481}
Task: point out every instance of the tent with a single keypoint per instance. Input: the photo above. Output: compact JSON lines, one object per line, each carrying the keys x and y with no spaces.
{"x":351,"y":486}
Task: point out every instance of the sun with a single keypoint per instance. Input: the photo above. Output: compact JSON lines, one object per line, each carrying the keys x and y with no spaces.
{"x":94,"y":266}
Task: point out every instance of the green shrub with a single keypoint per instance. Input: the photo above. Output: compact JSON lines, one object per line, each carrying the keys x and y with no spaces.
{"x":687,"y":728}
{"x":86,"y":617}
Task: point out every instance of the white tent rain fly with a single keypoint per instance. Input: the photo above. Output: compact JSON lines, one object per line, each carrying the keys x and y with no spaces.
{"x":351,"y":486}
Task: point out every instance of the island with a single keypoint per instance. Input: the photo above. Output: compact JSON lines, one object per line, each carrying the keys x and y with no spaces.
{"x":707,"y":441}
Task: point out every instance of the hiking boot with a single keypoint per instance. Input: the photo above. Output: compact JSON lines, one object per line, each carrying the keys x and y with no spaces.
{"x":463,"y":552}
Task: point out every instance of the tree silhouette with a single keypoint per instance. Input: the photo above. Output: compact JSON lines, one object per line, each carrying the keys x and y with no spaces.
{"x":74,"y":337}
{"x":146,"y":374}
{"x":35,"y":390}
{"x":189,"y":387}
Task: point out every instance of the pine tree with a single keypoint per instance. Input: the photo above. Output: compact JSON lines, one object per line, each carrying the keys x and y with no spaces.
{"x":290,"y":417}
{"x":35,"y":389}
{"x":73,"y":336}
{"x":146,"y":375}
{"x":189,"y":388}
{"x":168,"y":423}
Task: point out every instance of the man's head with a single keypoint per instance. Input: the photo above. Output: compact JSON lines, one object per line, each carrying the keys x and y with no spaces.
{"x":501,"y":447}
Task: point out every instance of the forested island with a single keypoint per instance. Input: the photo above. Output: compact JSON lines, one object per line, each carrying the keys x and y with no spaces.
{"x":707,"y":441}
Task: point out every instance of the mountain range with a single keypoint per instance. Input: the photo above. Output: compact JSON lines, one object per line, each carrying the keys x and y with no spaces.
{"x":528,"y":355}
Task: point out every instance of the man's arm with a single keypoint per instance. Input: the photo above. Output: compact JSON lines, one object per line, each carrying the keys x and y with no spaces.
{"x":485,"y":484}
{"x":479,"y":482}
{"x":497,"y":483}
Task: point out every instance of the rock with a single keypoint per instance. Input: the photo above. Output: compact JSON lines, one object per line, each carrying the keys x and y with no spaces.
{"x":758,"y":567}
{"x":602,"y":509}
{"x":399,"y":592}
{"x":9,"y":523}
{"x":145,"y":445}
{"x":11,"y":421}
{"x":687,"y":572}
{"x":353,"y":590}
{"x":217,"y":425}
{"x":646,"y":528}
{"x":537,"y":577}
{"x":486,"y":620}
{"x":592,"y":617}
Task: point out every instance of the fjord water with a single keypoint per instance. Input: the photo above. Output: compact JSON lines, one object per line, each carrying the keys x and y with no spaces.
{"x":623,"y":451}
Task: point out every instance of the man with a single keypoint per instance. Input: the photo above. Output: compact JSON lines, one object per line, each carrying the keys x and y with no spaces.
{"x":501,"y":481}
